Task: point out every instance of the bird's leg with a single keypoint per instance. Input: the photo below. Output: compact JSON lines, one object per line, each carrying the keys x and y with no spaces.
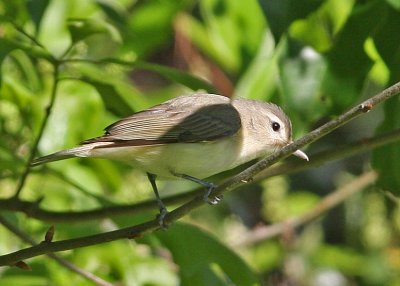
{"x":209,"y":188}
{"x":163,"y":209}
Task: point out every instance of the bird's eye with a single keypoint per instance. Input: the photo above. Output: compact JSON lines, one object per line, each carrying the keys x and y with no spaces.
{"x":275,"y":126}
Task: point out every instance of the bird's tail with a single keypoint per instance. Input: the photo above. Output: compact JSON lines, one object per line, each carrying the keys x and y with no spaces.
{"x":80,"y":151}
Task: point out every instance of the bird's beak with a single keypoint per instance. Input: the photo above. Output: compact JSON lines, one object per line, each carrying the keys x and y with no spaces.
{"x":301,"y":155}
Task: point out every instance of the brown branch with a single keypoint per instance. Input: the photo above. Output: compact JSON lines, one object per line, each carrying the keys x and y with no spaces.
{"x":25,"y":237}
{"x":33,"y":209}
{"x":228,"y":185}
{"x":328,"y":202}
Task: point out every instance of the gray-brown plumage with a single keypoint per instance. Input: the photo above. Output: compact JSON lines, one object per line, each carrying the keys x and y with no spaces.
{"x":192,"y":137}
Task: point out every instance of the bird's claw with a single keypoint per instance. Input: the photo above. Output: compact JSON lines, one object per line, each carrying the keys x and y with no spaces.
{"x":211,"y":201}
{"x":214,"y":200}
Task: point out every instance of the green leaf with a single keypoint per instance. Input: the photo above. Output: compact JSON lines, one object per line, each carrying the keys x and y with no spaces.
{"x":27,"y":67}
{"x":386,"y":159}
{"x":348,"y":64}
{"x":7,"y":45}
{"x":303,"y":67}
{"x":114,"y":10}
{"x":80,"y":29}
{"x":259,"y":81}
{"x":228,"y":34}
{"x":150,"y":25}
{"x":5,"y":48}
{"x":175,"y":75}
{"x":281,"y":13}
{"x":184,"y":78}
{"x":334,"y":257}
{"x":36,"y":9}
{"x":320,"y":28}
{"x":112,"y":99}
{"x":387,"y":39}
{"x":203,"y":260}
{"x":395,"y":3}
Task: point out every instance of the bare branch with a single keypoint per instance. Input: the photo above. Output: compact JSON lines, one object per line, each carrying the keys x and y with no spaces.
{"x":228,"y":185}
{"x":33,"y":209}
{"x":328,"y":202}
{"x":25,"y":237}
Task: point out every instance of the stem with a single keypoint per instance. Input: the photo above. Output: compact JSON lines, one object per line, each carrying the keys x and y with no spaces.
{"x":30,"y":37}
{"x":32,"y":155}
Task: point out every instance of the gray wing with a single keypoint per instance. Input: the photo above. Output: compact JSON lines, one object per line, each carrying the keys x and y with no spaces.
{"x":195,"y":118}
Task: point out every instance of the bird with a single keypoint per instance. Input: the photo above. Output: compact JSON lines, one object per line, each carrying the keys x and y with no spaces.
{"x":190,"y":137}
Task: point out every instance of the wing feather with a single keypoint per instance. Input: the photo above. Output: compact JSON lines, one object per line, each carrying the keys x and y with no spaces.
{"x":196,"y":118}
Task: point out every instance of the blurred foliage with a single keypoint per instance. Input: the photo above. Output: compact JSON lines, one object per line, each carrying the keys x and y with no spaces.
{"x":316,"y":58}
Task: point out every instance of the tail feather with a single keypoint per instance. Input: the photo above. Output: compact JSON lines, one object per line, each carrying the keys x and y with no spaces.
{"x":80,"y":151}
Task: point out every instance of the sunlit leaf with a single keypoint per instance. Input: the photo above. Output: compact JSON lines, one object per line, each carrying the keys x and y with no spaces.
{"x":81,"y":29}
{"x":385,"y":159}
{"x":5,"y":48}
{"x":320,"y":28}
{"x":387,"y":39}
{"x":214,"y":35}
{"x":343,"y":82}
{"x":259,"y":80}
{"x":281,"y":13}
{"x":394,"y":3}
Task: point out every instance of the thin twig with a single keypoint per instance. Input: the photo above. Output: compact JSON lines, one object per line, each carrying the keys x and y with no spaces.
{"x":33,"y":209}
{"x":32,"y":155}
{"x":391,"y":197}
{"x":25,"y":237}
{"x":228,"y":185}
{"x":30,"y":37}
{"x":328,"y":202}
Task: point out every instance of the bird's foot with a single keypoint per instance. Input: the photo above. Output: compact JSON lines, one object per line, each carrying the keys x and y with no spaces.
{"x":212,"y":201}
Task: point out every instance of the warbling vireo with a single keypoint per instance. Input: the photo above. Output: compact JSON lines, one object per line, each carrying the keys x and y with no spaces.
{"x":190,"y":137}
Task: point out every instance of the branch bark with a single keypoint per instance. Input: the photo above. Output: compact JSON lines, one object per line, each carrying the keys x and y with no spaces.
{"x":228,"y":185}
{"x":33,"y":209}
{"x":25,"y":237}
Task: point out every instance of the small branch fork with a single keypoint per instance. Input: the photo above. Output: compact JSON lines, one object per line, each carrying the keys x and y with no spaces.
{"x":228,"y":185}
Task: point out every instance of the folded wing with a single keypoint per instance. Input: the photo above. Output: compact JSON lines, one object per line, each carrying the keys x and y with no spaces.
{"x":189,"y":119}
